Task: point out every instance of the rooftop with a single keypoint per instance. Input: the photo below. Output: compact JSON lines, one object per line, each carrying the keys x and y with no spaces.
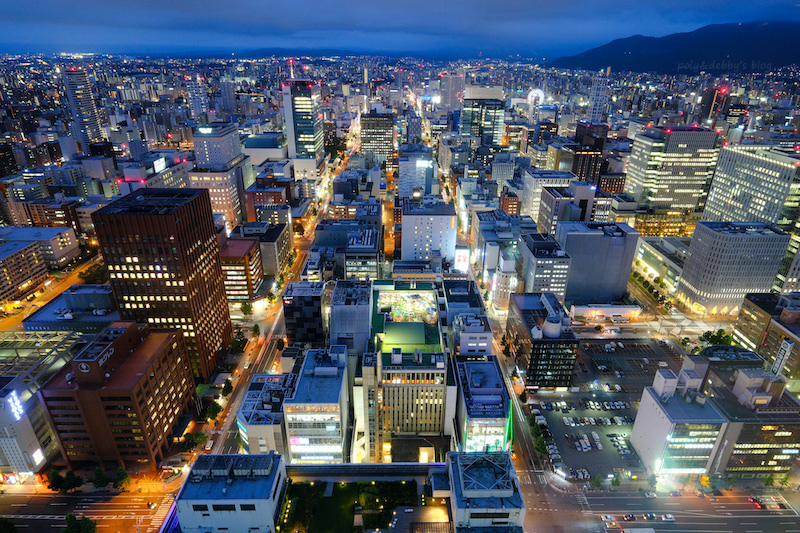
{"x":483,"y":389}
{"x":232,"y":477}
{"x":351,"y":293}
{"x":303,"y":288}
{"x":729,"y":354}
{"x":237,"y":248}
{"x":151,"y":202}
{"x":9,"y":248}
{"x":679,"y":410}
{"x":262,"y":403}
{"x":742,"y":228}
{"x":320,"y":380}
{"x":484,"y":481}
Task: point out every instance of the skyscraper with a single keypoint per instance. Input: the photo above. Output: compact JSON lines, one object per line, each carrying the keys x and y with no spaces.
{"x":452,"y":88}
{"x":672,"y":166}
{"x":760,"y":183}
{"x":198,"y":101}
{"x":303,"y":119}
{"x":162,"y":253}
{"x":483,"y":118}
{"x":598,"y":96}
{"x":85,"y":120}
{"x":377,"y":135}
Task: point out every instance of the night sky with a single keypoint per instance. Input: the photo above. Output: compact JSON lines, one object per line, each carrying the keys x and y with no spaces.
{"x":450,"y":27}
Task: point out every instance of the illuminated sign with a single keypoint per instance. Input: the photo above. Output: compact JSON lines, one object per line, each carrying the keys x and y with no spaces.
{"x":205,"y":130}
{"x":424,"y":163}
{"x":461,"y":263}
{"x":16,"y":405}
{"x":790,"y":451}
{"x":159,"y":164}
{"x":297,"y":441}
{"x":38,"y":456}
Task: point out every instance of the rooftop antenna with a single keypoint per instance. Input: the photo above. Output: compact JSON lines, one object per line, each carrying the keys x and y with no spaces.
{"x":291,"y":68}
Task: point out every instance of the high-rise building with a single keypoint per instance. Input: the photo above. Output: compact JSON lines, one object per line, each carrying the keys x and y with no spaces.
{"x":302,"y":311}
{"x":416,"y":173}
{"x":483,"y":414}
{"x":715,"y":102}
{"x":197,"y":98}
{"x":726,"y":261}
{"x":303,"y":119}
{"x":86,"y":122}
{"x":533,"y":181}
{"x":538,"y":327}
{"x":672,"y":166}
{"x":118,"y":400}
{"x":602,"y":256}
{"x":543,"y":266}
{"x":580,"y":201}
{"x":598,"y":97}
{"x":428,"y":228}
{"x":760,"y":183}
{"x":483,"y":118}
{"x":216,"y":145}
{"x":377,"y":135}
{"x":451,"y":87}
{"x":8,"y":165}
{"x":162,"y":253}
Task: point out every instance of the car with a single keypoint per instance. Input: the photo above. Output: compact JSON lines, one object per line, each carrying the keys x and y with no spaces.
{"x":649,"y":516}
{"x":650,"y":495}
{"x":751,"y":499}
{"x":667,"y":518}
{"x":607,"y":518}
{"x":629,"y":518}
{"x":759,"y":504}
{"x":409,"y":510}
{"x":781,"y":505}
{"x":674,"y":493}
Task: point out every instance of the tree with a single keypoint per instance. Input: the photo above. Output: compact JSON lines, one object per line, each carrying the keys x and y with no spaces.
{"x":7,"y":526}
{"x":300,"y":229}
{"x":200,"y":438}
{"x":540,"y":446}
{"x":523,"y":397}
{"x":705,"y":481}
{"x":536,"y":431}
{"x":504,"y":340}
{"x":188,"y":443}
{"x":122,"y":480}
{"x":227,"y":388}
{"x":616,"y":481}
{"x":72,"y":481}
{"x":658,"y":280}
{"x":100,"y":479}
{"x":734,"y":479}
{"x":213,"y":411}
{"x":784,"y":481}
{"x":598,"y":328}
{"x":55,"y":480}
{"x":280,"y":345}
{"x":716,"y":337}
{"x":486,"y":295}
{"x":247,"y":308}
{"x":507,"y":350}
{"x":80,"y":525}
{"x":769,"y":480}
{"x":256,"y":330}
{"x":597,"y":482}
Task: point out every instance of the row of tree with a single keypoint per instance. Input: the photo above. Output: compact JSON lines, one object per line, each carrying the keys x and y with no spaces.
{"x":100,"y":479}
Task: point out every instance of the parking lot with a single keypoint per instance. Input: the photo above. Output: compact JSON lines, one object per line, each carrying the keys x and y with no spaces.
{"x":591,"y":429}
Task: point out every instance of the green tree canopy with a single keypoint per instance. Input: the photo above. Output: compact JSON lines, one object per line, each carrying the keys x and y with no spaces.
{"x":7,"y":526}
{"x":227,"y":388}
{"x":246,"y":308}
{"x":123,"y":479}
{"x":213,"y":411}
{"x":100,"y":479}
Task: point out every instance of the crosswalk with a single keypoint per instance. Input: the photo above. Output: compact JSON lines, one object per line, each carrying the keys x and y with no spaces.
{"x":584,"y":503}
{"x":531,"y":477}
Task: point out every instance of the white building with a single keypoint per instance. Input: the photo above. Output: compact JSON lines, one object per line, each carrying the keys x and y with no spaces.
{"x":484,"y":409}
{"x":416,"y":171}
{"x":544,"y":265}
{"x":216,"y":145}
{"x":726,"y":261}
{"x":58,"y":246}
{"x":86,"y":121}
{"x":232,"y":493}
{"x":671,"y":167}
{"x":760,"y":183}
{"x":316,"y":413}
{"x":472,"y":335}
{"x":580,"y":201}
{"x":427,"y":228}
{"x":260,"y":415}
{"x":533,"y":180}
{"x":484,"y":492}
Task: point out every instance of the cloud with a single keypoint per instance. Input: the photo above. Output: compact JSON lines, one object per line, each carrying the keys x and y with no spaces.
{"x":510,"y":26}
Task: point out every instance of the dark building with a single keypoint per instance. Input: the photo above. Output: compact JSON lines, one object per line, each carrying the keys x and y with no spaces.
{"x":162,"y":253}
{"x":302,"y":312}
{"x":591,"y":135}
{"x":120,"y":398}
{"x":377,"y":135}
{"x":538,"y":327}
{"x":715,"y":102}
{"x":8,"y":165}
{"x":611,"y":182}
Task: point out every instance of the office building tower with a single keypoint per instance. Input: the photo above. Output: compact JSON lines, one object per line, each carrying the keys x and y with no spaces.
{"x":162,"y":253}
{"x":580,"y":201}
{"x":672,"y":166}
{"x":483,"y":414}
{"x":197,"y":98}
{"x":538,"y":327}
{"x":760,"y":183}
{"x":317,"y":412}
{"x":302,"y":311}
{"x":22,"y":269}
{"x":416,"y":172}
{"x":451,"y":87}
{"x":602,"y":256}
{"x":472,"y":337}
{"x":243,"y":492}
{"x":8,"y":165}
{"x":533,"y":181}
{"x":483,"y":118}
{"x":726,"y":261}
{"x":428,"y":229}
{"x":85,"y":120}
{"x":377,"y":135}
{"x":714,"y":103}
{"x":598,"y":97}
{"x":241,"y":268}
{"x":543,"y":266}
{"x":585,"y":162}
{"x":118,"y":400}
{"x":351,"y":315}
{"x":302,"y":118}
{"x":223,"y":170}
{"x":29,"y":360}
